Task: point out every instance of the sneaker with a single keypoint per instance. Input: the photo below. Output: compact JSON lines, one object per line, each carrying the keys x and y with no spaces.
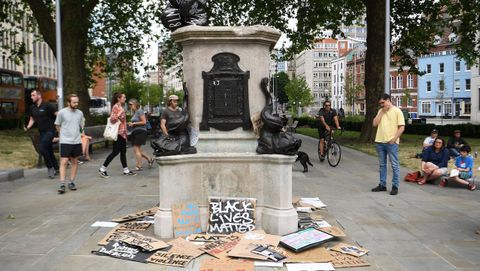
{"x":103,"y":174}
{"x":472,"y":186}
{"x":394,"y":191}
{"x":443,"y":183}
{"x":51,"y":173}
{"x":61,"y":190}
{"x":322,"y":158}
{"x":379,"y":188}
{"x":72,"y":186}
{"x":129,"y":173}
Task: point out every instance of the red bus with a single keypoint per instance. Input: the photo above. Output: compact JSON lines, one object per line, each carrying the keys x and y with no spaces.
{"x":12,"y":102}
{"x":47,"y":86}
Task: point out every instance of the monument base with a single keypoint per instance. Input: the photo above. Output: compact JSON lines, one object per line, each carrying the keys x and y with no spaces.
{"x":194,"y":178}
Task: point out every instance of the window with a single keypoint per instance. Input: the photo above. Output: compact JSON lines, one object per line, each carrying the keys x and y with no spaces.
{"x":457,"y":66}
{"x":399,"y":82}
{"x":391,"y":82}
{"x":467,"y":84}
{"x":410,"y":102}
{"x":441,"y":85}
{"x":468,"y":109}
{"x":467,"y":67}
{"x":429,"y":68}
{"x":442,"y":67}
{"x":429,"y":86}
{"x":448,"y":108}
{"x":409,"y":81}
{"x":457,"y":85}
{"x":426,"y":108}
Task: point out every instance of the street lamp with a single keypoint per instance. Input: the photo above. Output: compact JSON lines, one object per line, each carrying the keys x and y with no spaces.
{"x":58,"y":38}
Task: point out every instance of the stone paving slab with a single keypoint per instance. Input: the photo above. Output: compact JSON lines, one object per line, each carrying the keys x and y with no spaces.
{"x":422,"y":228}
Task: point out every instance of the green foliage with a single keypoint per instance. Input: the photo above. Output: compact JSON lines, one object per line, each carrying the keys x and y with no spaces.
{"x":298,"y":92}
{"x":279,"y":81}
{"x":151,"y":94}
{"x":352,"y":90}
{"x":130,"y":86}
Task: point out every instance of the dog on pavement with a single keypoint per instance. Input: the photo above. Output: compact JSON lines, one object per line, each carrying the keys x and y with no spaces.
{"x":304,"y":160}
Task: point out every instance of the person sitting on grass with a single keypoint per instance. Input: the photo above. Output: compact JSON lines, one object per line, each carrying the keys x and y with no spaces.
{"x":455,"y":142}
{"x":428,"y":142}
{"x":434,"y":161}
{"x":462,"y":170}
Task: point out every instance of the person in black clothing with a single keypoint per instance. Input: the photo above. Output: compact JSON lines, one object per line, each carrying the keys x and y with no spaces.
{"x":43,"y":114}
{"x":328,"y":118}
{"x":455,"y":142}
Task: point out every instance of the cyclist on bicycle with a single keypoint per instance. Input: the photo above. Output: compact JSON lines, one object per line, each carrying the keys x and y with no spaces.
{"x":328,"y":119}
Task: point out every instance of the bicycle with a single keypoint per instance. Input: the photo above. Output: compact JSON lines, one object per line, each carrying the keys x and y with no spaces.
{"x":332,"y":149}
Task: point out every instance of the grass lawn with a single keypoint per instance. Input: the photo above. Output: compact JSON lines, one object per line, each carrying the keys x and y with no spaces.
{"x":16,"y":150}
{"x":409,"y":146}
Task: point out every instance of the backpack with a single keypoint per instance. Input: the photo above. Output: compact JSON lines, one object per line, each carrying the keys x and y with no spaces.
{"x":413,"y":176}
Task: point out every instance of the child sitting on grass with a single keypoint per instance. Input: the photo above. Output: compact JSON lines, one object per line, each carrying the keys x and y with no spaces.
{"x":463,"y":169}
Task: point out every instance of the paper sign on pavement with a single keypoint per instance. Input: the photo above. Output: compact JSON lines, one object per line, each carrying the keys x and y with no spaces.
{"x":186,"y":219}
{"x":350,"y":249}
{"x":145,"y":242}
{"x":104,"y":224}
{"x":341,"y":260}
{"x":181,"y":253}
{"x":220,"y":248}
{"x":250,"y":241}
{"x":111,"y":235}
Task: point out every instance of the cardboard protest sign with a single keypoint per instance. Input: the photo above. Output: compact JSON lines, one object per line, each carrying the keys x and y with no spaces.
{"x":186,"y":219}
{"x":228,"y":215}
{"x":341,"y":260}
{"x":180,"y":254}
{"x":226,"y":265}
{"x":350,"y":249}
{"x":204,"y":238}
{"x":250,"y":241}
{"x":134,"y":226}
{"x":304,"y":239}
{"x":112,"y":235}
{"x":139,"y":240}
{"x":148,"y":212}
{"x":313,"y":255}
{"x":335,"y":231}
{"x":316,"y":216}
{"x":220,"y":248}
{"x":124,"y":251}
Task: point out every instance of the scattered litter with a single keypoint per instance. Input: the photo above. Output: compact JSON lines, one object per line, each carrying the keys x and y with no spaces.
{"x":104,"y":224}
{"x":309,"y":267}
{"x":313,"y":202}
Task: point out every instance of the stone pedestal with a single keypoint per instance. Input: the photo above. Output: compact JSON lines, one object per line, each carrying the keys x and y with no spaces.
{"x":194,"y":178}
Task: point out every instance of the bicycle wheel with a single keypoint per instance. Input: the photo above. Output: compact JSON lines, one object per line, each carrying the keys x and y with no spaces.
{"x":319,"y":156}
{"x":334,"y":154}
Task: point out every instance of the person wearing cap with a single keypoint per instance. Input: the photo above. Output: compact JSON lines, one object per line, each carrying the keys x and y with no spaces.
{"x":171,"y":112}
{"x":428,"y":142}
{"x":455,"y":142}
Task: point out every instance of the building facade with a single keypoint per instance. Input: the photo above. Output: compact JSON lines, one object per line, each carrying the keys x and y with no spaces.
{"x":355,"y":79}
{"x":172,"y":78}
{"x":475,"y":94}
{"x":404,"y":90}
{"x":339,"y":68}
{"x":445,"y":88}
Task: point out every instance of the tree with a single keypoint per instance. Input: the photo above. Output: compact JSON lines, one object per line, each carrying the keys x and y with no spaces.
{"x":352,"y":92}
{"x":91,"y":29}
{"x":130,"y":86}
{"x":415,"y":25}
{"x":278,"y":83}
{"x":298,"y":92}
{"x":151,"y":94}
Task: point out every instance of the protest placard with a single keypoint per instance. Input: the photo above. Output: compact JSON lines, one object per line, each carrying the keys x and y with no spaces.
{"x":350,"y":249}
{"x":124,"y":251}
{"x":111,"y":235}
{"x":313,"y":255}
{"x":180,"y":254}
{"x":250,"y":241}
{"x":226,"y":265}
{"x":186,"y":219}
{"x":204,"y":238}
{"x":341,"y":260}
{"x":220,"y":248}
{"x":228,"y":215}
{"x":304,"y":239}
{"x":132,"y":216}
{"x":139,"y":240}
{"x":133,"y":226}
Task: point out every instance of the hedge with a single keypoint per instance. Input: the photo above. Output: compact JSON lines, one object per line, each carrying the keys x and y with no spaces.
{"x":468,"y":129}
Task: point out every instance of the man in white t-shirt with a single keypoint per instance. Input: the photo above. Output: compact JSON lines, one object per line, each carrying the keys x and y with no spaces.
{"x":430,"y":139}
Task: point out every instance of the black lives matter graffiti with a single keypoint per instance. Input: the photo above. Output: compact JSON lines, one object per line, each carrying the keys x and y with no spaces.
{"x":228,"y":215}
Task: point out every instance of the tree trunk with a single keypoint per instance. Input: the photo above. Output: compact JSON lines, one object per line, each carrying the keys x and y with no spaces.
{"x":374,"y":65}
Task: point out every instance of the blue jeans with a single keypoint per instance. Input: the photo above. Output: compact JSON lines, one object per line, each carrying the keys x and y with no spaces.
{"x":384,"y":149}
{"x":46,"y":149}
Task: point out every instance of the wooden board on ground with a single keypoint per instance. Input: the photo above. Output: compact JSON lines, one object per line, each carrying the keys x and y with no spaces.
{"x":313,"y":255}
{"x":226,"y":265}
{"x":134,"y":226}
{"x":350,"y":249}
{"x":228,"y":215}
{"x":335,"y":231}
{"x":180,"y":254}
{"x":220,"y":248}
{"x":186,"y":219}
{"x":145,"y":242}
{"x":132,"y":216}
{"x":250,"y":241}
{"x":341,"y":260}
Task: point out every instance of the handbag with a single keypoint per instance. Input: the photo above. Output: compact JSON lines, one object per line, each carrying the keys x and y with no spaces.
{"x":111,"y":130}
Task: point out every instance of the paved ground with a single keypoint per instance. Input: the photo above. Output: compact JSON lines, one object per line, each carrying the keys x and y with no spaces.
{"x":422,"y":228}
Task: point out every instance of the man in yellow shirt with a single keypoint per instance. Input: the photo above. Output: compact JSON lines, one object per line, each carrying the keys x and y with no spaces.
{"x":390,"y":126}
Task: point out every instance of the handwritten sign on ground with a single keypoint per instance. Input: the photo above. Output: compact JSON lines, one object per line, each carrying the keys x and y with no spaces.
{"x":204,"y":238}
{"x":344,"y":260}
{"x":220,"y":248}
{"x":304,"y":239}
{"x":124,"y":251}
{"x":134,"y":226}
{"x":148,"y":212}
{"x":228,"y":215}
{"x":111,"y":235}
{"x":335,"y":231}
{"x":313,"y":255}
{"x":226,"y":265}
{"x":181,"y":253}
{"x":350,"y":249}
{"x":186,"y":219}
{"x":145,"y":242}
{"x":252,"y":240}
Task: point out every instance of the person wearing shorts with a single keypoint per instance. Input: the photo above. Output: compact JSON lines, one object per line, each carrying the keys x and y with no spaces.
{"x":464,"y":165}
{"x":138,"y":136}
{"x":434,"y":161}
{"x":69,"y":122}
{"x":328,"y":118}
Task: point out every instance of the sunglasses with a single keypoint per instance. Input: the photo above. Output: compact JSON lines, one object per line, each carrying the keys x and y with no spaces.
{"x":327,"y":105}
